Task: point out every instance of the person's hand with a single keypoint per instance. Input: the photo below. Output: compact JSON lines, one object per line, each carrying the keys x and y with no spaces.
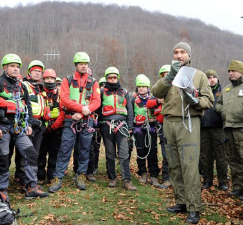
{"x":77,"y":116}
{"x":86,"y":111}
{"x":190,"y":99}
{"x":160,"y":100}
{"x":1,"y":133}
{"x":29,"y":131}
{"x":173,"y":71}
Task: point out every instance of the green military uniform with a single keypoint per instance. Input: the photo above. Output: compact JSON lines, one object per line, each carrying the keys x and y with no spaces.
{"x":230,"y":105}
{"x":183,"y":147}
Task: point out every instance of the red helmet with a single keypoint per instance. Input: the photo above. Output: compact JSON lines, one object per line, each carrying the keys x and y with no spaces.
{"x":49,"y":73}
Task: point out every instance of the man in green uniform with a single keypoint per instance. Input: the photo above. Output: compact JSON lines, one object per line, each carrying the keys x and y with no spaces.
{"x":183,"y":144}
{"x":230,"y":105}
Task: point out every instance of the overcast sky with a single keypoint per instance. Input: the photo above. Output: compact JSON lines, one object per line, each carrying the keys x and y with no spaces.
{"x":225,"y":15}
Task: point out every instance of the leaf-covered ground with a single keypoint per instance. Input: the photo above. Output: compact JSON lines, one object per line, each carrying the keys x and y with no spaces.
{"x":102,"y":205}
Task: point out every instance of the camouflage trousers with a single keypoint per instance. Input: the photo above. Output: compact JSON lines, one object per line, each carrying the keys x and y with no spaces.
{"x":182,"y":151}
{"x":234,"y":155}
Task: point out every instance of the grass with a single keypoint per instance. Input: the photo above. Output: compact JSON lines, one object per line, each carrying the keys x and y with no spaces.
{"x":102,"y":205}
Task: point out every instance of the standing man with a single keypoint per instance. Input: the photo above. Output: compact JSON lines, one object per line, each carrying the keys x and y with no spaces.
{"x":183,"y":146}
{"x":230,"y":105}
{"x":117,"y":122}
{"x":53,"y":117}
{"x":34,"y":87}
{"x":80,"y":95}
{"x":15,"y":111}
{"x":212,"y":135}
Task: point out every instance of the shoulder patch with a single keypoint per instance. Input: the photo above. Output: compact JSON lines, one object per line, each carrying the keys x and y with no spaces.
{"x":227,"y":89}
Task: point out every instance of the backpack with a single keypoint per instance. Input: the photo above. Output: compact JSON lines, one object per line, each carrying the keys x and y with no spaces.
{"x":7,"y":214}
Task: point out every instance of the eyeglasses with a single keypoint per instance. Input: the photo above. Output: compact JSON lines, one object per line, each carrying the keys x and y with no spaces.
{"x":110,"y":78}
{"x":37,"y":71}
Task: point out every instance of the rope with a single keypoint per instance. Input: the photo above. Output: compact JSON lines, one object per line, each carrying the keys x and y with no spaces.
{"x":18,"y":129}
{"x":146,"y":143}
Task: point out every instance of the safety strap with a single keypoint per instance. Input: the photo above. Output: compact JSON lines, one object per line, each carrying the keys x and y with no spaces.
{"x":118,"y":126}
{"x":189,"y":127}
{"x":77,"y":126}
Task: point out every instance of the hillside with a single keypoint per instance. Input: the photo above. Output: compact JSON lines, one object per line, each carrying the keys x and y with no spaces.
{"x":134,"y":40}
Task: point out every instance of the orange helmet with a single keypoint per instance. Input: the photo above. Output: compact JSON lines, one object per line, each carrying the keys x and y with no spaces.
{"x":49,"y":73}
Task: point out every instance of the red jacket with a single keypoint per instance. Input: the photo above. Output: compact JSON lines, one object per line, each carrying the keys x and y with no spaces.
{"x":74,"y":106}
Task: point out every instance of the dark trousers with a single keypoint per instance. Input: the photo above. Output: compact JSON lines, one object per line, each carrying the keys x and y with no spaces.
{"x":93,"y":153}
{"x":165,"y":165}
{"x":48,"y":154}
{"x":213,"y":148}
{"x":69,"y":138}
{"x":112,"y":140}
{"x":19,"y":163}
{"x":36,"y":137}
{"x":25,"y":147}
{"x":142,"y":137}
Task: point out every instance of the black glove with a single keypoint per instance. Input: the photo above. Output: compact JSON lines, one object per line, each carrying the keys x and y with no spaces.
{"x":173,"y":71}
{"x":190,"y":99}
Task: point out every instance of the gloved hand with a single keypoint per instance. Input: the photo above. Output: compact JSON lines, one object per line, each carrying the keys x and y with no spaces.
{"x":173,"y":71}
{"x":190,"y":99}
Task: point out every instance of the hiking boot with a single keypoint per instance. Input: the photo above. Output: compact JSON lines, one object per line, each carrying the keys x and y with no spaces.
{"x":166,"y":184}
{"x":143,"y":178}
{"x":127,"y":184}
{"x":56,"y":184}
{"x":207,"y":185}
{"x":90,"y":177}
{"x":193,"y":218}
{"x":223,"y":187}
{"x":112,"y":183}
{"x":80,"y":181}
{"x":4,"y":194}
{"x":236,"y":192}
{"x":154,"y":181}
{"x":34,"y":193}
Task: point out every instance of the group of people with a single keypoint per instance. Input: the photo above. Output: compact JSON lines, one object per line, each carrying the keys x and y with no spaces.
{"x":48,"y":121}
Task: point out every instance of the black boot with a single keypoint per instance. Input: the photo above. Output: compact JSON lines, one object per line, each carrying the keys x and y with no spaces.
{"x":207,"y":185}
{"x":178,"y":208}
{"x":193,"y":217}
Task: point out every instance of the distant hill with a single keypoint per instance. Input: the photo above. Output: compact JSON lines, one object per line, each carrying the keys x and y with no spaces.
{"x":133,"y":40}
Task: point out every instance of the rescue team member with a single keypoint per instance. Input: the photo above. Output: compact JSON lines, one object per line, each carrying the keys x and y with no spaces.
{"x":53,"y":117}
{"x":164,"y":70}
{"x":183,"y":147}
{"x":80,"y":95}
{"x":230,"y":105}
{"x":117,"y":122}
{"x":15,"y":115}
{"x":34,"y":87}
{"x":212,"y":135}
{"x":58,"y":83}
{"x":144,"y":131}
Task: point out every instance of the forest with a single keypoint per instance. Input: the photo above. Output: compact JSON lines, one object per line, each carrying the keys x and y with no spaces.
{"x":130,"y":38}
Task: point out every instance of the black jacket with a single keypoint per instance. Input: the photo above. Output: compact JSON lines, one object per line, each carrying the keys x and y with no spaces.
{"x":211,"y":118}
